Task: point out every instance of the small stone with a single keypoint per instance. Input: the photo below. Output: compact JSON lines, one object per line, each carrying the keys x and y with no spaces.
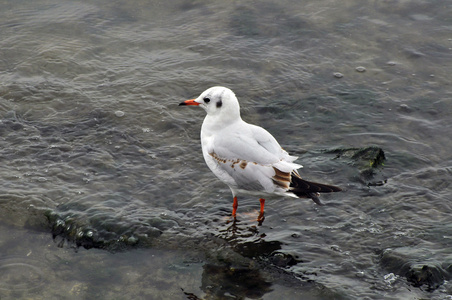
{"x":391,"y":63}
{"x":360,"y":69}
{"x":405,"y":108}
{"x":78,"y":289}
{"x":132,"y":240}
{"x":390,"y":278}
{"x":360,"y":274}
{"x":119,"y":113}
{"x":338,"y":75}
{"x":336,"y":248}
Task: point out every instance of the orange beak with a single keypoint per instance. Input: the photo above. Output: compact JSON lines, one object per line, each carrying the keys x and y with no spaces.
{"x":189,"y":102}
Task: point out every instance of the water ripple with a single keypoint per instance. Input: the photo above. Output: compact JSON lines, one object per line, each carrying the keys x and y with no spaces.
{"x":93,"y":142}
{"x":21,"y":274}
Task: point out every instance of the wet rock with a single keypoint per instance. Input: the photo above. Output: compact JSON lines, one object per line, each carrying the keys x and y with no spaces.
{"x":368,"y":160}
{"x":119,"y":113}
{"x":360,"y":69}
{"x":408,"y":263}
{"x":283,"y":260}
{"x":79,"y":289}
{"x":425,"y":275}
{"x":365,"y":157}
{"x":78,"y":232}
{"x":221,"y":281}
{"x":405,"y":108}
{"x":259,"y":248}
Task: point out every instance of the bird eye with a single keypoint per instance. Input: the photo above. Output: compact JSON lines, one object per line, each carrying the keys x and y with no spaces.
{"x":206,"y":100}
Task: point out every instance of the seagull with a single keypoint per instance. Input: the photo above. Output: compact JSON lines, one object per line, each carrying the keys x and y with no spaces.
{"x":247,"y":157}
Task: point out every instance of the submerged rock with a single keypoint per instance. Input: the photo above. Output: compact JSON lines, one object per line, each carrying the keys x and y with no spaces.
{"x":77,"y":231}
{"x":221,"y":280}
{"x":367,"y":160}
{"x":418,"y":271}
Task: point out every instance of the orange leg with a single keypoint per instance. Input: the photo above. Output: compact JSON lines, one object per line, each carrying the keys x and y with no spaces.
{"x":235,"y":204}
{"x":260,"y":218}
{"x":262,"y":201}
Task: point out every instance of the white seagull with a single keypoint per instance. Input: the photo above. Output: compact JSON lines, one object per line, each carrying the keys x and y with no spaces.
{"x":247,"y":157}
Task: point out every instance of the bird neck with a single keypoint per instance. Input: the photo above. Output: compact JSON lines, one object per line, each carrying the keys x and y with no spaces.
{"x":215,"y":123}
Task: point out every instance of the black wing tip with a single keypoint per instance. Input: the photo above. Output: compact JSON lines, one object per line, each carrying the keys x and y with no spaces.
{"x":307,"y":189}
{"x":335,"y":188}
{"x":304,"y":186}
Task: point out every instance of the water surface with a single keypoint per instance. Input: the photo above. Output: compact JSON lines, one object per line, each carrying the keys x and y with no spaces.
{"x":104,"y":190}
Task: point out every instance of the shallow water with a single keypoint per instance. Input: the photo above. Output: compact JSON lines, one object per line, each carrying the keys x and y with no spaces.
{"x":104,"y":190}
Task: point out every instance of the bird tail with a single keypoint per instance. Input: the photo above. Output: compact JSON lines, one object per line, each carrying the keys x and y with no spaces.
{"x":307,"y":189}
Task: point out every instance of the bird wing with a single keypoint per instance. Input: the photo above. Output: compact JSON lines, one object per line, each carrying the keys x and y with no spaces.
{"x":249,"y":142}
{"x":249,"y":157}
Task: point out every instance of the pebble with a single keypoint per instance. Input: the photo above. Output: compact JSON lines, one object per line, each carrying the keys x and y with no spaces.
{"x":390,"y":278}
{"x":119,"y":113}
{"x":338,"y":75}
{"x":360,"y":69}
{"x":404,"y":108}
